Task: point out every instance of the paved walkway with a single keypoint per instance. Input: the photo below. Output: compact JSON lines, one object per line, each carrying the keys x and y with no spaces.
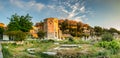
{"x":1,"y":55}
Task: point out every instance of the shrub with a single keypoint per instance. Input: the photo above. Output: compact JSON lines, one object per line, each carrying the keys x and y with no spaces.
{"x":71,"y":39}
{"x":75,"y":41}
{"x":107,"y":37}
{"x":17,"y":35}
{"x":20,"y":36}
{"x":47,"y":41}
{"x":114,"y":46}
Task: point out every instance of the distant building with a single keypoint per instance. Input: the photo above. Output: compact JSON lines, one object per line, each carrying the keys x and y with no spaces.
{"x":3,"y":36}
{"x":2,"y":25}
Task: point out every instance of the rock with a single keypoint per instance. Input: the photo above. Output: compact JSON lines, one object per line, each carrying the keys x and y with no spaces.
{"x":31,"y":50}
{"x":50,"y":53}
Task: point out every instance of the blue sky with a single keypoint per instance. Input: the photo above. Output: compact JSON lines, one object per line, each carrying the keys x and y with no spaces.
{"x":104,"y":13}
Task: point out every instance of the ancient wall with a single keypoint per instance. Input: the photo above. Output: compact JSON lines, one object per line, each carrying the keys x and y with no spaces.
{"x":51,"y":28}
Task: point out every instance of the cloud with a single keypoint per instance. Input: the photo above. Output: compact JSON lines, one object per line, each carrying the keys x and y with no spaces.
{"x":38,"y":6}
{"x":78,"y":19}
{"x":32,"y":4}
{"x":81,"y":18}
{"x":66,"y":8}
{"x":82,"y":9}
{"x":51,"y":6}
{"x":71,"y":9}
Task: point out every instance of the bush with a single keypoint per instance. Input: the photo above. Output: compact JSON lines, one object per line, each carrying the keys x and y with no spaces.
{"x":75,"y":41}
{"x":103,"y":53}
{"x":47,"y":41}
{"x":20,"y":36}
{"x":71,"y":39}
{"x":114,"y":46}
{"x":17,"y":35}
{"x":107,"y":37}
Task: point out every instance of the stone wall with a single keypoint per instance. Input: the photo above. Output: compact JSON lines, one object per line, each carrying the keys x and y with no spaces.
{"x":51,"y":28}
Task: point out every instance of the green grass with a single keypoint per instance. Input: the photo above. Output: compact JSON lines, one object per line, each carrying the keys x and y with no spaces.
{"x":76,"y":41}
{"x":6,"y":52}
{"x":13,"y":50}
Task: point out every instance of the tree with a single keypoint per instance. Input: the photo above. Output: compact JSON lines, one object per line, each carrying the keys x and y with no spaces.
{"x":79,"y":27}
{"x":41,"y":34}
{"x":22,"y":23}
{"x":19,"y":26}
{"x":113,"y":30}
{"x":98,"y":30}
{"x":64,"y":26}
{"x":105,"y":30}
{"x":92,"y":33}
{"x":1,"y":32}
{"x":107,"y":37}
{"x":17,"y":35}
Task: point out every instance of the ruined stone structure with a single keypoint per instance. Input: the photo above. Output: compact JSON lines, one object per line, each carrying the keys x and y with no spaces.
{"x":51,"y":28}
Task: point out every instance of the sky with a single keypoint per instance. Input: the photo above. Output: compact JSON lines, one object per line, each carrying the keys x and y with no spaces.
{"x":104,"y":13}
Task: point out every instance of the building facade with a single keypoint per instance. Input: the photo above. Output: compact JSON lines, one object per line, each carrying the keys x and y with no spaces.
{"x":51,"y":28}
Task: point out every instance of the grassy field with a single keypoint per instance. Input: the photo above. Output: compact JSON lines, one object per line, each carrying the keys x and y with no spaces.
{"x":13,"y":50}
{"x":87,"y":50}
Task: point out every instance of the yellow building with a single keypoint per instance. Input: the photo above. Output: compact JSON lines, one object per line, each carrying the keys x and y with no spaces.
{"x":51,"y":28}
{"x":2,"y":25}
{"x":34,"y":31}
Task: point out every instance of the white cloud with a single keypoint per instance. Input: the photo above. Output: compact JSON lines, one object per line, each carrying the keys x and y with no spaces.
{"x":81,"y":18}
{"x":72,"y":10}
{"x":51,"y":6}
{"x":82,"y":9}
{"x":17,"y":3}
{"x":78,"y":19}
{"x":38,"y":6}
{"x":27,"y":5}
{"x":63,"y":9}
{"x":69,"y":9}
